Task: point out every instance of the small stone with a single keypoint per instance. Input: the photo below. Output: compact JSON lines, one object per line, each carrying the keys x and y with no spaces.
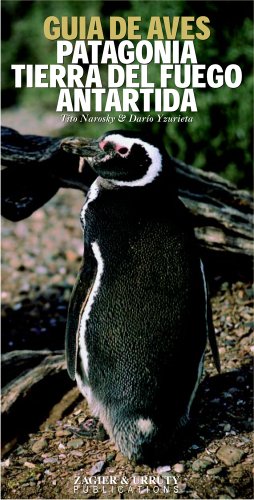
{"x":6,"y":463}
{"x":139,"y":469}
{"x":163,"y":468}
{"x":215,"y":401}
{"x":225,"y":286}
{"x":111,"y":456}
{"x":20,"y":451}
{"x":50,"y":460}
{"x":179,"y":468}
{"x":76,"y":453}
{"x":202,"y":464}
{"x":119,"y":457}
{"x":29,"y":465}
{"x":97,"y":468}
{"x":229,"y":455}
{"x":75,"y":443}
{"x":194,"y":447}
{"x":77,"y":412}
{"x":81,"y":420}
{"x":195,"y":495}
{"x":41,"y":270}
{"x":62,"y":433}
{"x":230,"y":490}
{"x":215,"y":471}
{"x":212,"y":449}
{"x":61,"y":446}
{"x":227,"y":427}
{"x":39,"y":445}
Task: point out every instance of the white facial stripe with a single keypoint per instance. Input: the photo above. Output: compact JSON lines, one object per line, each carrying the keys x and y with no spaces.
{"x":201,"y":363}
{"x":86,"y":314}
{"x":156,"y":159}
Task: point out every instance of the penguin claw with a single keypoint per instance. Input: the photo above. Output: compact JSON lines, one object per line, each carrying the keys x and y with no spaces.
{"x":90,"y":429}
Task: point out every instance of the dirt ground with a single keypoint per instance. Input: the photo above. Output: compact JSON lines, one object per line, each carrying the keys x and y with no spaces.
{"x":40,"y":258}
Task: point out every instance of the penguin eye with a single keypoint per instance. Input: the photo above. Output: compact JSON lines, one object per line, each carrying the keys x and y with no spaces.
{"x":123,"y":151}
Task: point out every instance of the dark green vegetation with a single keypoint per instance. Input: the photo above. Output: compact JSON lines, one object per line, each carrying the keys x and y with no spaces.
{"x":220,"y":136}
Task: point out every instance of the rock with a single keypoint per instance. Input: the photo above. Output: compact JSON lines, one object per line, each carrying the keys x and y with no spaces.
{"x":20,"y":451}
{"x":179,"y":468}
{"x":77,"y":412}
{"x":62,"y":433}
{"x":6,"y":463}
{"x":111,"y":456}
{"x":29,"y":465}
{"x":75,"y":443}
{"x":194,"y":446}
{"x":227,"y":427}
{"x":195,"y":495}
{"x":39,"y":445}
{"x":163,"y":468}
{"x":119,"y":457}
{"x":215,"y":471}
{"x":97,"y":468}
{"x":202,"y":464}
{"x":139,"y":469}
{"x":230,"y":490}
{"x":50,"y":460}
{"x":76,"y":453}
{"x":81,"y":420}
{"x":229,"y":455}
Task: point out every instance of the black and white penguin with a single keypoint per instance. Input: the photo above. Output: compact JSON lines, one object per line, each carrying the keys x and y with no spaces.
{"x":139,"y":314}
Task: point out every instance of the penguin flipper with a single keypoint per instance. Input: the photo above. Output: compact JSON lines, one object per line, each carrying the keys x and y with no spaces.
{"x":212,"y":338}
{"x":78,"y":301}
{"x":209,"y":323}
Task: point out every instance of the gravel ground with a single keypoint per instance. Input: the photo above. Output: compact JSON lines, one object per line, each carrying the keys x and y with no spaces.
{"x":40,"y":258}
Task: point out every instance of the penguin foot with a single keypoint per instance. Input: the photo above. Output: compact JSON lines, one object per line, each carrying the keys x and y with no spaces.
{"x":90,"y":429}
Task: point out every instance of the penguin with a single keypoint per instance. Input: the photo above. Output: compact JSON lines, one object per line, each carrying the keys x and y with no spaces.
{"x":139,"y":315}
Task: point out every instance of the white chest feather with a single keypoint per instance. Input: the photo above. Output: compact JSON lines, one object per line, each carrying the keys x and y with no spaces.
{"x":88,"y":308}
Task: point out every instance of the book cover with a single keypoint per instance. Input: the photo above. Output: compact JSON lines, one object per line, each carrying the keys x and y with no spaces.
{"x":179,"y":73}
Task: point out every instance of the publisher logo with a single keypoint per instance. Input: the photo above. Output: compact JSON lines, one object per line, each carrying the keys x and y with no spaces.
{"x":111,"y":485}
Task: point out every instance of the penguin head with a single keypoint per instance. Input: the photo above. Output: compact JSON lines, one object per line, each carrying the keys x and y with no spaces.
{"x":123,"y":158}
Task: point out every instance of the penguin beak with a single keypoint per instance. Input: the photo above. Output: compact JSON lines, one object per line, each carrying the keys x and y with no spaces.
{"x":81,"y":146}
{"x":88,"y":150}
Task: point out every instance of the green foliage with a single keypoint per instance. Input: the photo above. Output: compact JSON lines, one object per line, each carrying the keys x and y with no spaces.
{"x":220,"y":136}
